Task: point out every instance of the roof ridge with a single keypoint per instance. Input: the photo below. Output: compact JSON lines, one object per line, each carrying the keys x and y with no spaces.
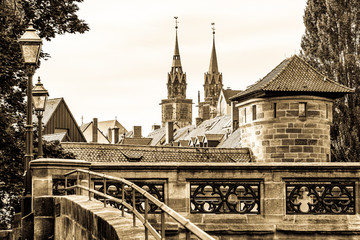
{"x":323,"y":75}
{"x":290,"y":59}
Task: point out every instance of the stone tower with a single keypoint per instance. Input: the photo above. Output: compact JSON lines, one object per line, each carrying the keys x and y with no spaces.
{"x":176,"y":108}
{"x":286,"y":116}
{"x":212,"y":86}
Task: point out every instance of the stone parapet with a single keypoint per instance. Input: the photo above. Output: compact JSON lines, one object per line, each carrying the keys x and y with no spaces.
{"x":44,"y":170}
{"x":273,"y":219}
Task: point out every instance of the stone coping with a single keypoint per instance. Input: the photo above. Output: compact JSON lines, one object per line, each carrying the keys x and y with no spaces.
{"x":226,"y":166}
{"x":59,"y":162}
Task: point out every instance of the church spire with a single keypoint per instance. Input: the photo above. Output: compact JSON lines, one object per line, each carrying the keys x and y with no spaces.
{"x":176,"y":64}
{"x":213,"y":68}
{"x":176,"y":108}
{"x":176,"y":77}
{"x":213,"y":79}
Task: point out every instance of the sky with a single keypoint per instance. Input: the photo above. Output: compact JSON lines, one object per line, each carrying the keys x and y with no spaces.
{"x":119,"y":68}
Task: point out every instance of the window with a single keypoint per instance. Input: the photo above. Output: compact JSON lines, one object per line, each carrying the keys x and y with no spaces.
{"x":183,"y":112}
{"x":274,"y":110}
{"x":253,"y":112}
{"x":327,"y":111}
{"x":244,"y":115}
{"x":302,"y":109}
{"x":168,"y":112}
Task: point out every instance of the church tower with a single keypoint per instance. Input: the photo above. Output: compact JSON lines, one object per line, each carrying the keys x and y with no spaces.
{"x":212,"y":86}
{"x":213,"y":79}
{"x":176,"y":108}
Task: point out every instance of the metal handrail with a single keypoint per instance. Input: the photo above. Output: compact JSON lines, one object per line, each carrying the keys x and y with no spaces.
{"x":189,"y":226}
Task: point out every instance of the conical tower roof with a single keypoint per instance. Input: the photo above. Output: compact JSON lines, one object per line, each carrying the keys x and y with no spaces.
{"x":213,"y":68}
{"x":176,"y":58}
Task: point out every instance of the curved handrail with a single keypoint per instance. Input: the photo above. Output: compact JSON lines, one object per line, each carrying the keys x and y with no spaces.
{"x":166,"y":209}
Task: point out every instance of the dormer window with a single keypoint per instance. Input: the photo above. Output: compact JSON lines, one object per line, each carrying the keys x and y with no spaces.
{"x":302,"y":109}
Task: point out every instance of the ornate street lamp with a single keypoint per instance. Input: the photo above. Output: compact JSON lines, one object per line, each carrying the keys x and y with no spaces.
{"x":30,"y":44}
{"x":40,"y":95}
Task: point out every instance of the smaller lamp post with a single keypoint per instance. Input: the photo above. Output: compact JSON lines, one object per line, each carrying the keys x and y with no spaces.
{"x":30,"y":44}
{"x":40,"y":95}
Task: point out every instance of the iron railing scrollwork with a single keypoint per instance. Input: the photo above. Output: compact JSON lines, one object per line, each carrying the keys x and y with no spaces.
{"x":114,"y":189}
{"x":320,"y":197}
{"x":242,"y":197}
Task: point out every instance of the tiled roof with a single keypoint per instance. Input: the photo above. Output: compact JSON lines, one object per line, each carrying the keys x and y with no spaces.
{"x":228,"y":93}
{"x":126,"y":153}
{"x":61,"y":137}
{"x":136,"y":141}
{"x":232,"y":141}
{"x":105,"y":125}
{"x":156,"y":136}
{"x":217,"y":125}
{"x":294,"y":75}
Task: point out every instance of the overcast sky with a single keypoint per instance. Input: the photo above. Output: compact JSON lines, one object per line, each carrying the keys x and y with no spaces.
{"x":119,"y":68}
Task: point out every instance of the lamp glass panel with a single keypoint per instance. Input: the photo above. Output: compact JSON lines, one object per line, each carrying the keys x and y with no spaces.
{"x":30,"y":52}
{"x":39,"y":102}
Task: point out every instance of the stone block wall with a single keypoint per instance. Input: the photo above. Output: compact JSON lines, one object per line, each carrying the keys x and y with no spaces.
{"x":78,"y":218}
{"x":177,"y":110}
{"x":277,"y":132}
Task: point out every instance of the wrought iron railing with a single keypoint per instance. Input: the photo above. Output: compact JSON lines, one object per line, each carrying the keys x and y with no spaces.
{"x":114,"y":189}
{"x":242,"y":197}
{"x":185,"y":223}
{"x":320,"y":197}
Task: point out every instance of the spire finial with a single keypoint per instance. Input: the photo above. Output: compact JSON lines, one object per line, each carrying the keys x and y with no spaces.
{"x":213,"y":27}
{"x":176,"y":22}
{"x":39,"y":79}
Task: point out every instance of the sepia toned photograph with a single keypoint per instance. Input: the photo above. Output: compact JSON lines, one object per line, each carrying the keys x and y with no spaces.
{"x":211,"y":120}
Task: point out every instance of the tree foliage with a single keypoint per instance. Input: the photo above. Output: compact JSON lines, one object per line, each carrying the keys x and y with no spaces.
{"x":331,"y":43}
{"x":50,"y":17}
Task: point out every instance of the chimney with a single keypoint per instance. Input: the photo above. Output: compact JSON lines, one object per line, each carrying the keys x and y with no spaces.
{"x":169,"y":132}
{"x":155,"y":127}
{"x":198,"y":121}
{"x":110,"y":135}
{"x":234,"y":117}
{"x":137,"y":132}
{"x":116,"y":135}
{"x":95,"y":130}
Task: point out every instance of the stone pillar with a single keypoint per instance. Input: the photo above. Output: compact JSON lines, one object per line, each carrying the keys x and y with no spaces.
{"x":44,"y":170}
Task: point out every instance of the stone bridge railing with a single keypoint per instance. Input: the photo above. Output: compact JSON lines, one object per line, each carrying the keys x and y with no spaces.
{"x":142,"y":203}
{"x":296,"y":200}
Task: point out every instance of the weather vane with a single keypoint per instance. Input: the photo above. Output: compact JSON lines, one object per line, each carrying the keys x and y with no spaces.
{"x":213,"y":27}
{"x":176,"y":22}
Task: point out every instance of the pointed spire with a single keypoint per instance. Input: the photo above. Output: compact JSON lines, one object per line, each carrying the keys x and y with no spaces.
{"x":213,"y":68}
{"x":176,"y":65}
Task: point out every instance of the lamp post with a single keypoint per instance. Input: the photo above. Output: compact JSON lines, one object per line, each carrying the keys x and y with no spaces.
{"x":30,"y":44}
{"x":40,"y":95}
